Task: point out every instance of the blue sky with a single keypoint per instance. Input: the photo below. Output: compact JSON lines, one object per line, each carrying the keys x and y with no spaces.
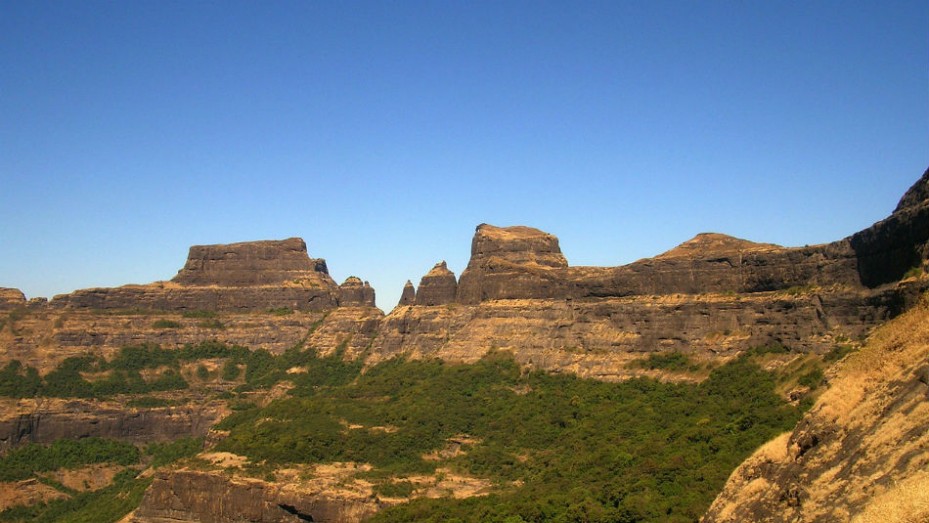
{"x":384,"y":132}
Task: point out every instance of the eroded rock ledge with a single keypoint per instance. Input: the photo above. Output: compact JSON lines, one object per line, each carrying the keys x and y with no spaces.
{"x":234,"y":277}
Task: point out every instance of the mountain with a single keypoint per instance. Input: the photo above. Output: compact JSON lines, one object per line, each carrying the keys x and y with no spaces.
{"x":242,"y":323}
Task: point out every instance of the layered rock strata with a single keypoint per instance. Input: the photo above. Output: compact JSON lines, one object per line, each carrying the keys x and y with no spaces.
{"x":45,"y":420}
{"x":437,"y":287}
{"x":408,"y":295}
{"x":234,"y":277}
{"x":354,"y":292}
{"x":11,"y":299}
{"x":213,"y":497}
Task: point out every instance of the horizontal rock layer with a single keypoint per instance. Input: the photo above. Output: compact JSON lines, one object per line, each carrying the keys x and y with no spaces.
{"x":49,"y":419}
{"x":213,"y":497}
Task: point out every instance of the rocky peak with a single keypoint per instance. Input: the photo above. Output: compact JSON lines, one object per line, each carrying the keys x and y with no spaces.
{"x":708,"y":244}
{"x":887,"y":250}
{"x":512,"y":262}
{"x":437,"y":287}
{"x":354,"y":292}
{"x":917,"y":195}
{"x":408,"y":296}
{"x":269,"y":262}
{"x":11,"y":298}
{"x":518,"y":244}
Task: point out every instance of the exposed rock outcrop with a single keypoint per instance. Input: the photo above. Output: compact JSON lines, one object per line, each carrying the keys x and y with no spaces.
{"x":859,"y":454}
{"x":11,"y":299}
{"x":408,"y":296}
{"x":513,"y":262}
{"x":250,"y":263}
{"x":235,"y":277}
{"x":354,"y":292}
{"x":891,"y":247}
{"x":437,"y":287}
{"x":44,"y":420}
{"x":214,"y":497}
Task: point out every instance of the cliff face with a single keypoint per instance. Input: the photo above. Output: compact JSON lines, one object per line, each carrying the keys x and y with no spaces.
{"x":860,"y":452}
{"x":214,"y":497}
{"x":45,"y":420}
{"x":438,"y":286}
{"x":11,"y":299}
{"x":235,"y":277}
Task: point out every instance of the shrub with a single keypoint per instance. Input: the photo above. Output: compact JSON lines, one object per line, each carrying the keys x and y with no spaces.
{"x":166,"y":324}
{"x":673,"y":361}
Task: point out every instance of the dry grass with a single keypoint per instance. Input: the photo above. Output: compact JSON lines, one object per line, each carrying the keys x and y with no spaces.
{"x":904,"y":502}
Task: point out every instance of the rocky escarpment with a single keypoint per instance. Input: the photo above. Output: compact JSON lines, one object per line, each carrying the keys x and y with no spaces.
{"x":711,"y":295}
{"x":513,"y":262}
{"x":860,"y":453}
{"x":45,"y":420}
{"x":11,"y":299}
{"x":235,"y":277}
{"x":213,"y":497}
{"x":521,"y":262}
{"x":886,"y":251}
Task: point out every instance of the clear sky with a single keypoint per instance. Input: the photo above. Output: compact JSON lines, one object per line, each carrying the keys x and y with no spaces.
{"x":383,"y":132}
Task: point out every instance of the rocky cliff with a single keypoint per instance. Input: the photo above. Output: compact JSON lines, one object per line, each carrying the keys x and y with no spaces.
{"x":11,"y":299}
{"x":45,"y":420}
{"x":437,"y":287}
{"x":214,"y":497}
{"x":713,"y":295}
{"x":235,"y":277}
{"x":860,"y":453}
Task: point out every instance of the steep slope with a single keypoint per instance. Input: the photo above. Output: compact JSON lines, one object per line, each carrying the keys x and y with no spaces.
{"x":861,"y":453}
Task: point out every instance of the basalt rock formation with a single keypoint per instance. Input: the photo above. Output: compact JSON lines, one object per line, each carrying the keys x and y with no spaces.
{"x":437,"y":287}
{"x":45,"y":420}
{"x":11,"y":299}
{"x":354,"y":292}
{"x":712,"y":295}
{"x":512,"y":262}
{"x":235,"y":277}
{"x":213,"y":497}
{"x":408,"y":296}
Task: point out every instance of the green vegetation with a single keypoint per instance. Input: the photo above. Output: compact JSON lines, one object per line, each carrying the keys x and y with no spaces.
{"x":102,"y":506}
{"x":281,"y":311}
{"x":17,"y":381}
{"x":211,"y":324}
{"x":812,"y":379}
{"x":199,"y":314}
{"x":672,"y":361}
{"x":22,"y":462}
{"x":165,"y":453}
{"x":166,"y":324}
{"x":579,"y":450}
{"x":837,"y":353}
{"x":914,"y":272}
{"x":122,"y":375}
{"x":771,"y":348}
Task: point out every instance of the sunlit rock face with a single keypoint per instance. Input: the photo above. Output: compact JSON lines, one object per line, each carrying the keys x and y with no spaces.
{"x":437,"y":287}
{"x":227,"y":277}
